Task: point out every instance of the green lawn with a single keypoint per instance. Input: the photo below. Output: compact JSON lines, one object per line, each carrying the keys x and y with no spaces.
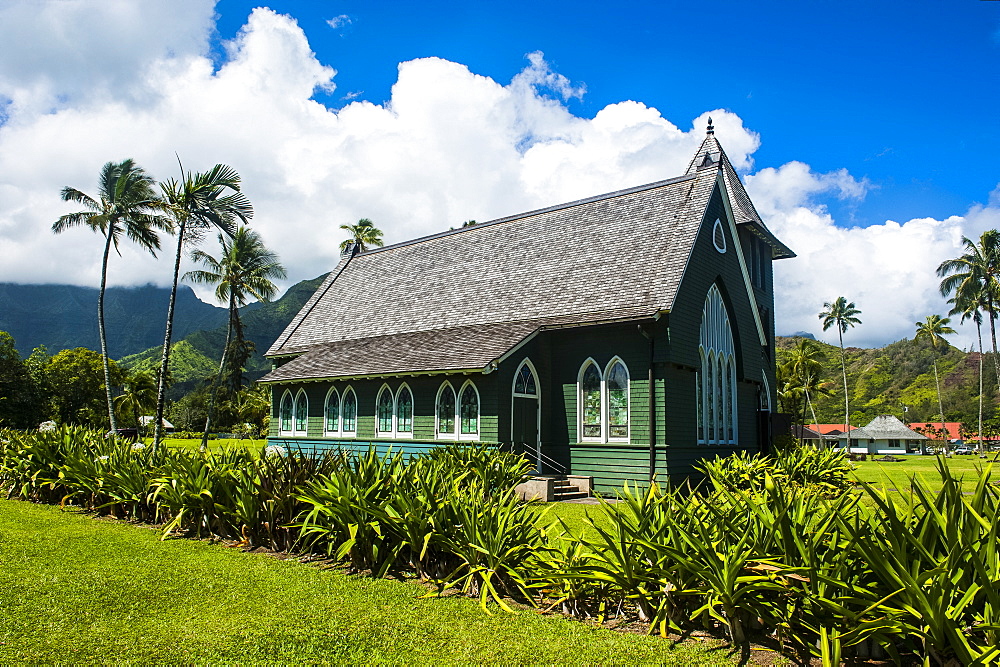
{"x":77,"y":589}
{"x":897,"y":475}
{"x":213,"y":445}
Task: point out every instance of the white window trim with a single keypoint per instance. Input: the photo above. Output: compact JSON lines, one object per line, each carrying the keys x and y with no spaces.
{"x":340,"y":415}
{"x":343,"y":399}
{"x":408,"y":435}
{"x":715,"y":228}
{"x":438,"y":433}
{"x":534,"y":373}
{"x":391,"y":433}
{"x":291,"y":420}
{"x":579,"y":402}
{"x":295,"y":413}
{"x":458,"y":412}
{"x":606,"y":400}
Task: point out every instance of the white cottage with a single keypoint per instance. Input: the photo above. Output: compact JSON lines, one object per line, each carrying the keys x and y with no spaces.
{"x":884,"y":435}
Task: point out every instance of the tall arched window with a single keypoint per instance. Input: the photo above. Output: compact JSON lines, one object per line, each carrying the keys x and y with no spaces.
{"x":404,"y":411}
{"x":285,"y":413}
{"x":349,"y":412}
{"x":331,"y":413}
{"x":383,"y":412}
{"x":590,"y":401}
{"x":617,"y":400}
{"x":603,"y":401}
{"x":716,"y":381}
{"x":446,"y":411}
{"x":301,"y":422}
{"x":469,"y":411}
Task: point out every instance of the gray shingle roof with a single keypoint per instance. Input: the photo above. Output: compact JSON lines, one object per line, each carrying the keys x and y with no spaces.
{"x":711,"y":155}
{"x":884,"y":427}
{"x":460,"y":348}
{"x":627,"y":249}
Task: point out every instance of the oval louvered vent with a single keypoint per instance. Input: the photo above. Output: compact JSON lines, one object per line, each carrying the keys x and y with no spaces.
{"x":719,"y":236}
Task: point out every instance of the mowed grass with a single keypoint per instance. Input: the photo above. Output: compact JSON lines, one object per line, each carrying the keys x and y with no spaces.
{"x":213,"y":445}
{"x":898,"y":475}
{"x":78,"y":589}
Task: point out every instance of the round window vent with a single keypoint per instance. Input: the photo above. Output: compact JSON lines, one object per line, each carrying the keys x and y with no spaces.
{"x":719,"y":236}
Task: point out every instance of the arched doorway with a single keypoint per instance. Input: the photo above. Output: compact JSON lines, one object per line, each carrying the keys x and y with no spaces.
{"x":525,"y":413}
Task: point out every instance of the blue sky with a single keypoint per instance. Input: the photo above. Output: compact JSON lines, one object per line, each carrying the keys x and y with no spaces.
{"x":866,"y":133}
{"x":904,"y":94}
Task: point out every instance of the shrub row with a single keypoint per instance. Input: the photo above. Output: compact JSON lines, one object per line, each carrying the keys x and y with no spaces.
{"x":768,"y":551}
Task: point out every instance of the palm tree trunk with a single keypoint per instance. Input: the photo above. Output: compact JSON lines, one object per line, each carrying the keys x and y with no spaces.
{"x":161,"y":391}
{"x":847,"y":409}
{"x":812,"y":411}
{"x":979,"y":329}
{"x":222,"y":368}
{"x":993,"y":336}
{"x":937,"y":383}
{"x":101,"y":333}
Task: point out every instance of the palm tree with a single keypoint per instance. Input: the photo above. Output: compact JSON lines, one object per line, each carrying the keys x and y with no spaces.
{"x":843,"y":315}
{"x":139,"y":396}
{"x":126,"y":204}
{"x":363,"y":235}
{"x":245,"y":268}
{"x":970,"y":304}
{"x":934,"y":328}
{"x":802,"y":369}
{"x":977,"y":270}
{"x":198,"y":202}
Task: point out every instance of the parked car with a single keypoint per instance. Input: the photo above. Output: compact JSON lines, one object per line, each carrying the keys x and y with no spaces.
{"x":964,"y":449}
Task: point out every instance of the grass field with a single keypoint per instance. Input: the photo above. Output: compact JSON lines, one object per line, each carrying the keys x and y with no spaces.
{"x":82,"y":590}
{"x":897,"y":475}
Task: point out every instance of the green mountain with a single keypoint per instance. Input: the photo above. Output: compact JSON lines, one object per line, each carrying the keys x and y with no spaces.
{"x":62,"y":317}
{"x":195,"y":356}
{"x":884,"y":380}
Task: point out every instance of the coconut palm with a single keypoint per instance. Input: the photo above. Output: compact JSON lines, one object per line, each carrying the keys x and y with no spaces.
{"x":138,"y":397}
{"x":934,"y":328}
{"x":363,"y":235}
{"x":126,"y":205}
{"x":802,"y":371}
{"x":977,"y":270}
{"x":198,"y":202}
{"x":843,"y":315}
{"x":245,"y":268}
{"x":970,"y":305}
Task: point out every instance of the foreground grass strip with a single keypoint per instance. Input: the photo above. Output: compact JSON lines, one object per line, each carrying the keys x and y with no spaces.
{"x":76,"y":589}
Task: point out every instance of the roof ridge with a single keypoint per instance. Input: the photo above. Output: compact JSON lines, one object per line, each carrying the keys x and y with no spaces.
{"x":533,"y":212}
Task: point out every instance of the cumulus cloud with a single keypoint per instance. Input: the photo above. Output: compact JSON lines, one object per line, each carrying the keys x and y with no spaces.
{"x":887,"y":270}
{"x":448,"y":146}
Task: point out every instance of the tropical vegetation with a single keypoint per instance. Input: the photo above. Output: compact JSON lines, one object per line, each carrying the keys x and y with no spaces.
{"x":126,"y":205}
{"x":363,"y":236}
{"x":775,"y":550}
{"x":245,"y":268}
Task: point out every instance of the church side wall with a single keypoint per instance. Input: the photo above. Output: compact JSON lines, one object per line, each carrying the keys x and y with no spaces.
{"x":424,"y":390}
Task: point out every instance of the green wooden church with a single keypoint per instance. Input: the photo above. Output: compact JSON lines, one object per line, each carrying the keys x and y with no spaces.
{"x":623,"y":337}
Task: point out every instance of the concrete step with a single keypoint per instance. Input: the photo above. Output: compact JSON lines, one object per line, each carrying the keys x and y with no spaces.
{"x":570,"y":495}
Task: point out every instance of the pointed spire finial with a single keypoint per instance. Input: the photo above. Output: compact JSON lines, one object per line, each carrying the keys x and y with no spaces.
{"x":711,"y":128}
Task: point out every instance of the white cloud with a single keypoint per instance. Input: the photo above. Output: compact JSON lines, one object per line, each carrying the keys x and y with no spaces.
{"x":888,"y":270}
{"x":339,"y":21}
{"x":448,"y":146}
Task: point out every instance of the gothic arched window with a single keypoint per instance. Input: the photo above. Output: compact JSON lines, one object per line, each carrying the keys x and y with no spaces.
{"x":716,"y":381}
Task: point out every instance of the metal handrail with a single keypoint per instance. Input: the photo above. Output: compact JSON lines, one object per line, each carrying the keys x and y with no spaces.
{"x":542,"y":461}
